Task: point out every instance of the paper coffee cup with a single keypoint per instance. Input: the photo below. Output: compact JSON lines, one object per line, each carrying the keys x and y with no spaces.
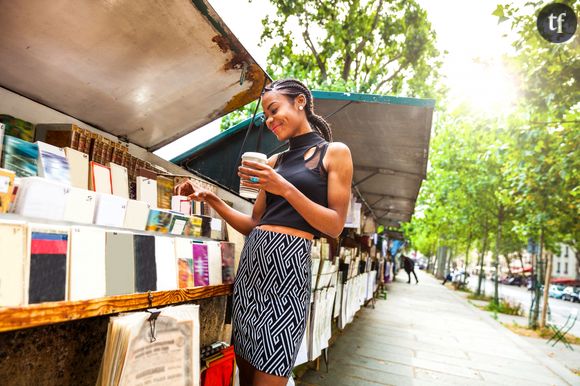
{"x":246,"y":191}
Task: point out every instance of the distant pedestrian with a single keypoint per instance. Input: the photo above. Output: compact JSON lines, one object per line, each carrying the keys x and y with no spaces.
{"x":409,"y":266}
{"x":448,"y":277}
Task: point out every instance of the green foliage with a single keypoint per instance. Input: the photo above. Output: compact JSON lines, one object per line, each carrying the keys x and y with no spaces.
{"x":375,"y":46}
{"x":507,"y":307}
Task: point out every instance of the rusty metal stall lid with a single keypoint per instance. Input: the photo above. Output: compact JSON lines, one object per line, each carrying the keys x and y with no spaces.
{"x":146,"y":71}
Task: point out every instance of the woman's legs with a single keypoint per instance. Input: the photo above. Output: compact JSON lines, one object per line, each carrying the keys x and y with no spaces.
{"x":249,"y":376}
{"x":246,"y":371}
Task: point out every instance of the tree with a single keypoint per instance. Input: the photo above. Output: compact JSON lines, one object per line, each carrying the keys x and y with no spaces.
{"x":375,"y":46}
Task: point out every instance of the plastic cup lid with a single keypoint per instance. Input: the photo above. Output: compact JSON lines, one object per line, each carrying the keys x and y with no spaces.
{"x":250,"y":154}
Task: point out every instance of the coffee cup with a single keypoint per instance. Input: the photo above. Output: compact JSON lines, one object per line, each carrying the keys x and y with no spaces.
{"x":246,"y":191}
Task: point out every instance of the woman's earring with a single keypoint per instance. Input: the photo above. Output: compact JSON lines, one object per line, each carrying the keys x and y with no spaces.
{"x":301,"y":107}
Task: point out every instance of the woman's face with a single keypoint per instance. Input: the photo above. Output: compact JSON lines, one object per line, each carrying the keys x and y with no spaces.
{"x":283,"y":115}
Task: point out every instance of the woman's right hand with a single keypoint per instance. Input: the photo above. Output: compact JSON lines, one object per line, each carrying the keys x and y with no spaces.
{"x":192,"y":191}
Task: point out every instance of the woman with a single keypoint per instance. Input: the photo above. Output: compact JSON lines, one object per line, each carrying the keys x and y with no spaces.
{"x":304,"y":192}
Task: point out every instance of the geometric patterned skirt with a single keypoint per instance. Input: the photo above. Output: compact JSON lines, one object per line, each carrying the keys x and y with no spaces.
{"x":271,"y":300}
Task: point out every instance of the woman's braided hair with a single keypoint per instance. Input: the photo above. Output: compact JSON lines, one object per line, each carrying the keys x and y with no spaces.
{"x":293,"y":88}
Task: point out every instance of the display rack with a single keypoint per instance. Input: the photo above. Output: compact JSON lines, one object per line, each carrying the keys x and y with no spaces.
{"x":15,"y":318}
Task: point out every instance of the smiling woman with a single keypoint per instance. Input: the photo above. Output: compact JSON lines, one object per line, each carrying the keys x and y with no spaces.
{"x":304,"y":192}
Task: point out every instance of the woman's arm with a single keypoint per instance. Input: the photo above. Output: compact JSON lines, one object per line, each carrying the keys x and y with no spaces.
{"x":241,"y":222}
{"x":330,"y":221}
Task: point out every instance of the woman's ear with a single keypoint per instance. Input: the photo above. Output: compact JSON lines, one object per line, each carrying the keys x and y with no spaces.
{"x":300,"y":102}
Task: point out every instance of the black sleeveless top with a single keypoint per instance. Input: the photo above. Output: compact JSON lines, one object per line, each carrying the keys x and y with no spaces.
{"x":307,"y":175}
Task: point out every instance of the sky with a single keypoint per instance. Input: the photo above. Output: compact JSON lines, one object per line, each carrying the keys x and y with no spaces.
{"x":466,"y":30}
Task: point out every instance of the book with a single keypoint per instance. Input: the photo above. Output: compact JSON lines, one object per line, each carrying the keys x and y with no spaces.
{"x":52,"y":163}
{"x":19,"y":156}
{"x":158,"y":221}
{"x":119,"y":263}
{"x":110,"y":210}
{"x":2,"y":129}
{"x":100,"y":178}
{"x":228,"y":262}
{"x":193,"y":226}
{"x":238,"y":240}
{"x":6,"y":189}
{"x":62,"y":135}
{"x":41,"y":198}
{"x":18,"y":128}
{"x":80,"y":205}
{"x":178,"y":223}
{"x":145,"y":265}
{"x":184,"y":257}
{"x":214,"y":262}
{"x":147,"y":190}
{"x":200,"y":265}
{"x":216,"y":229}
{"x":164,"y":192}
{"x":78,"y":167}
{"x":136,"y":215}
{"x":47,"y":263}
{"x":13,"y":239}
{"x":119,"y":180}
{"x":181,"y":204}
{"x":87,"y":263}
{"x":166,"y":263}
{"x":156,"y":348}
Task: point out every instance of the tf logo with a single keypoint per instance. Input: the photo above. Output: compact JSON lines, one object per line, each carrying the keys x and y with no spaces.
{"x":557,"y":22}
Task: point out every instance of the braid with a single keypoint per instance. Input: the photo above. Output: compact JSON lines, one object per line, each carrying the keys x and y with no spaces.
{"x":293,"y":88}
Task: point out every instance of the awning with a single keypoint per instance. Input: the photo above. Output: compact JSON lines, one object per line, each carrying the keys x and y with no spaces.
{"x":147,"y":71}
{"x":388,"y":138}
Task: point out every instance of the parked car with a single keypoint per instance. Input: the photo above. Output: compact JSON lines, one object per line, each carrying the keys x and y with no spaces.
{"x":556,"y":291}
{"x":571,"y":294}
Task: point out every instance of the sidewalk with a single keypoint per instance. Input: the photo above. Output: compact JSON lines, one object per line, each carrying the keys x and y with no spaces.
{"x":428,"y":335}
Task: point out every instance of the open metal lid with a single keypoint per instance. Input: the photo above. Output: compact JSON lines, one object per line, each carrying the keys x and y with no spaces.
{"x":148,"y":71}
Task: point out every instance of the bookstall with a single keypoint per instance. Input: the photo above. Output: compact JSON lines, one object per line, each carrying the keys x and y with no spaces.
{"x":89,"y":225}
{"x":389,"y":141}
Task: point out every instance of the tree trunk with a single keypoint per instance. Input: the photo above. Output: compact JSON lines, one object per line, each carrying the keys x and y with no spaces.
{"x":483,"y":251}
{"x":546,"y":291}
{"x":466,"y":259}
{"x":537,"y":274}
{"x":496,"y":257}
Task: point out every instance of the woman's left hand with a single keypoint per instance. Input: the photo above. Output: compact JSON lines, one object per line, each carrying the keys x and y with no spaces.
{"x":267,"y":178}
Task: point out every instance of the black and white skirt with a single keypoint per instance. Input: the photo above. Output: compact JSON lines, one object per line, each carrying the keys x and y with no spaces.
{"x":271,"y":300}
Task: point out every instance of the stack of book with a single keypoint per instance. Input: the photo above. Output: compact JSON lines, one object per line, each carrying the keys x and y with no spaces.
{"x":47,"y":262}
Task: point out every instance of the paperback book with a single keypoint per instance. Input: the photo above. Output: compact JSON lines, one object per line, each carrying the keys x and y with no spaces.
{"x":20,"y":156}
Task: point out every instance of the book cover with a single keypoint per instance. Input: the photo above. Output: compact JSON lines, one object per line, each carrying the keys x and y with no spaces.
{"x":80,"y":205}
{"x":13,"y":239}
{"x":178,"y":223}
{"x":6,"y":189}
{"x":18,"y":128}
{"x":119,"y":263}
{"x":193,"y":226}
{"x":1,"y":138}
{"x":200,"y":265}
{"x":166,"y":263}
{"x":164,"y":192}
{"x":136,"y":215}
{"x":78,"y":167}
{"x":41,"y":198}
{"x":147,"y":190}
{"x":110,"y":210}
{"x":214,"y":262}
{"x":59,"y":134}
{"x":181,"y":204}
{"x":120,"y":180}
{"x":100,"y":178}
{"x":184,"y":257}
{"x":87,"y":263}
{"x":19,"y":156}
{"x":47,"y":269}
{"x":228,"y":262}
{"x":52,"y":163}
{"x":158,"y":221}
{"x":145,"y":267}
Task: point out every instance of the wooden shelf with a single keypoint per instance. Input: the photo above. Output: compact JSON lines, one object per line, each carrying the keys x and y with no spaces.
{"x":15,"y":318}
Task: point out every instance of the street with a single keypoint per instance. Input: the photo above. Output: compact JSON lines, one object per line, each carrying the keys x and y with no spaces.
{"x":427,"y":334}
{"x":559,"y":309}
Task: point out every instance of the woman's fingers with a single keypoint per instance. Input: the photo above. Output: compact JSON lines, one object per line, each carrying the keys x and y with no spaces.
{"x":255,"y":165}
